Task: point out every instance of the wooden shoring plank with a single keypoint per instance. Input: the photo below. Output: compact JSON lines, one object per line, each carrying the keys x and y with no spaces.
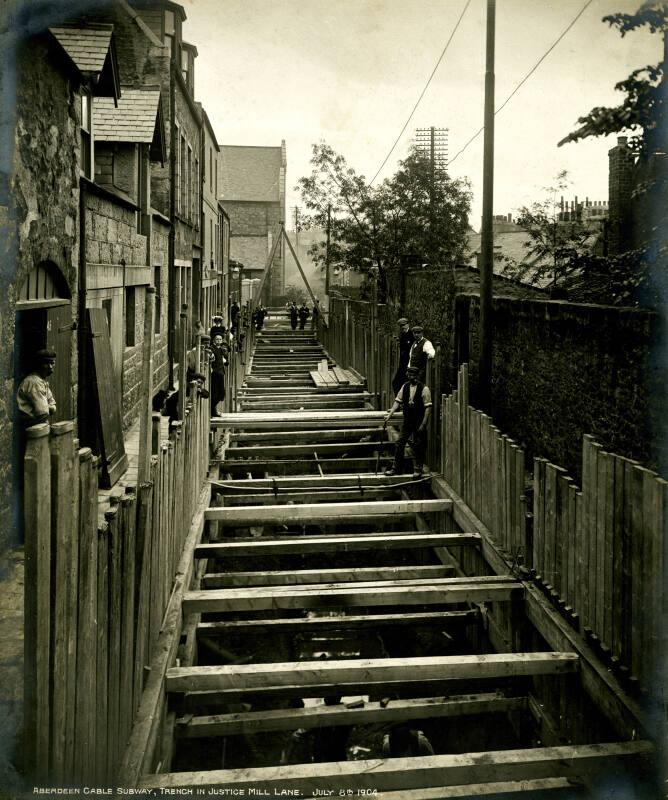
{"x":485,"y":471}
{"x":531,"y":788}
{"x":37,"y":599}
{"x":288,"y":450}
{"x":332,"y":544}
{"x":572,"y":545}
{"x":590,"y":490}
{"x":304,"y":420}
{"x":624,"y":715}
{"x":581,"y":566}
{"x":276,"y":437}
{"x":127,"y":653}
{"x":102,"y":647}
{"x":606,"y":632}
{"x":372,"y":712}
{"x":306,"y":576}
{"x":601,"y":555}
{"x":114,"y":653}
{"x":496,"y":524}
{"x":63,"y":532}
{"x":563,"y":481}
{"x":418,"y":772}
{"x":339,"y":495}
{"x":474,"y":421}
{"x":434,"y":593}
{"x":257,"y":515}
{"x":341,"y":622}
{"x":305,"y":483}
{"x":342,"y":377}
{"x":652,"y":584}
{"x":377,"y":670}
{"x":281,"y":468}
{"x":138,"y":755}
{"x":84,"y":753}
{"x":507,"y":503}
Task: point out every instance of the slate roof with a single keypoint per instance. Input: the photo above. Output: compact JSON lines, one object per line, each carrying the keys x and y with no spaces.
{"x":134,"y":120}
{"x":251,"y":173}
{"x":87,"y":47}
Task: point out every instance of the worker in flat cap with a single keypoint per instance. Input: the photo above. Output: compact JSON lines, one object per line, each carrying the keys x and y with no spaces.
{"x":34,"y":397}
{"x":414,"y":400}
{"x":406,"y":340}
{"x":421,"y":351}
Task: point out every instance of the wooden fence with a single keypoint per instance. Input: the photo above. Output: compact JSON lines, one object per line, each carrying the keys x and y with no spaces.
{"x":600,"y":552}
{"x":96,"y":592}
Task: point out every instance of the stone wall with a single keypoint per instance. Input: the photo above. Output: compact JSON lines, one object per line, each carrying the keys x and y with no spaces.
{"x":159,"y":258}
{"x":111,"y":232}
{"x":563,"y":369}
{"x":41,"y":220}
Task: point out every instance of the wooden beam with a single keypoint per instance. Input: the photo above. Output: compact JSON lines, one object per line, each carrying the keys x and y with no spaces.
{"x":322,"y":512}
{"x":344,"y":434}
{"x":375,"y":670}
{"x":309,"y":576}
{"x":340,"y":622}
{"x":332,"y":544}
{"x":435,"y":592}
{"x":295,"y":483}
{"x":305,"y":419}
{"x":290,"y":450}
{"x":395,"y":774}
{"x":532,"y":789}
{"x":322,"y":715}
{"x":299,"y":466}
{"x":338,"y":495}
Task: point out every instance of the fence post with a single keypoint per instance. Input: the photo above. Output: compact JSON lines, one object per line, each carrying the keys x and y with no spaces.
{"x":146,"y":406}
{"x":37,"y":588}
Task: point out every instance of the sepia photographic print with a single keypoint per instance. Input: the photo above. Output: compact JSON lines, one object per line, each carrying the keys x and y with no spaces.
{"x":334,"y":422}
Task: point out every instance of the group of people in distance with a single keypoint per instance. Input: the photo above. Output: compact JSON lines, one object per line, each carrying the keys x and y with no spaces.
{"x":412,"y":396}
{"x":299,"y":314}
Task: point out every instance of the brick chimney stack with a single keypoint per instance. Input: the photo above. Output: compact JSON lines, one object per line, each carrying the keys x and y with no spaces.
{"x":620,"y":186}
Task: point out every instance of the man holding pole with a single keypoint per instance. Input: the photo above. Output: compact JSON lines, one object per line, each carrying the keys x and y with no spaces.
{"x":414,"y":400}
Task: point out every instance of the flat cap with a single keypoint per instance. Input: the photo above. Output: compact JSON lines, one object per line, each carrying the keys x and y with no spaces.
{"x":402,"y":321}
{"x":45,"y":355}
{"x":417,"y":328}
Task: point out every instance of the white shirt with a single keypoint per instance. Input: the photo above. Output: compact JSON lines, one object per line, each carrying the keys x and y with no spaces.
{"x":426,"y":395}
{"x":427,"y":347}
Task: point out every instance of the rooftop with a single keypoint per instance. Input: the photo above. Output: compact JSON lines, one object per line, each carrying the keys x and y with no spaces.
{"x":251,"y":173}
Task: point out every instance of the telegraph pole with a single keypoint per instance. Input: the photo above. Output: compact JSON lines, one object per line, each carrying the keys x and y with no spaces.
{"x":329,"y":225}
{"x":487,"y":238}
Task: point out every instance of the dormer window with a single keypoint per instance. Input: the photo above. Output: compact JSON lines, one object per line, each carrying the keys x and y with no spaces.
{"x":184,"y":65}
{"x":86,"y":140}
{"x":169,"y":29}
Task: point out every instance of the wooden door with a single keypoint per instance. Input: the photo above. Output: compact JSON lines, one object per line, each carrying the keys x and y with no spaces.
{"x":106,"y":404}
{"x":59,"y":335}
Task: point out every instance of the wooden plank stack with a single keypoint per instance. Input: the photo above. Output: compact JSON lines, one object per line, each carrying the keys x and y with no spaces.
{"x":326,"y":378}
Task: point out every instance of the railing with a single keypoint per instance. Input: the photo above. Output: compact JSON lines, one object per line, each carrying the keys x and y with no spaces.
{"x":96,"y":591}
{"x":598,"y":552}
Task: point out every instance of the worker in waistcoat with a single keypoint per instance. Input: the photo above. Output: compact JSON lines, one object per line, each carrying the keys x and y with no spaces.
{"x":406,"y":339}
{"x":34,"y":397}
{"x":421,"y":351}
{"x":414,"y":400}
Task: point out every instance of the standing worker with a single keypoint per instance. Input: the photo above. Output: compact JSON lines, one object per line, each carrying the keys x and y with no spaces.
{"x":304,"y":314}
{"x":316,"y":315}
{"x":218,"y":356}
{"x":34,"y":397}
{"x":293,"y":316}
{"x":421,"y":351}
{"x":406,"y":339}
{"x":414,"y":399}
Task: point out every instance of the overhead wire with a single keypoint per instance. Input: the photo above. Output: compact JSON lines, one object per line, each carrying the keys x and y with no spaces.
{"x":525,"y":78}
{"x":422,"y":93}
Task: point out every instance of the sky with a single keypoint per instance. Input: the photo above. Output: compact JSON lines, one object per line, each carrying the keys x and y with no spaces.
{"x":350,"y":71}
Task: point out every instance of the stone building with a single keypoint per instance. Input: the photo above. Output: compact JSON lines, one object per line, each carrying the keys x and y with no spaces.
{"x":253,"y":194}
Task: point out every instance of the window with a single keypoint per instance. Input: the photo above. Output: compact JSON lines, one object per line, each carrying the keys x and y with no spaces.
{"x":189,"y":197}
{"x":106,"y":305}
{"x":130,"y":316}
{"x":211,"y":240}
{"x":215,"y":186}
{"x":211,"y":168}
{"x":196,"y":192}
{"x":184,"y":65}
{"x":177,"y":162}
{"x":184,"y":177}
{"x":86,"y":134}
{"x":158,"y":289}
{"x":169,"y":29}
{"x":141,"y":186}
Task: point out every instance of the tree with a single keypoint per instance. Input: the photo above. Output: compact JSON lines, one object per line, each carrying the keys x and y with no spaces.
{"x":375,"y":229}
{"x":554,"y":244}
{"x":294,"y":294}
{"x":643,"y":109}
